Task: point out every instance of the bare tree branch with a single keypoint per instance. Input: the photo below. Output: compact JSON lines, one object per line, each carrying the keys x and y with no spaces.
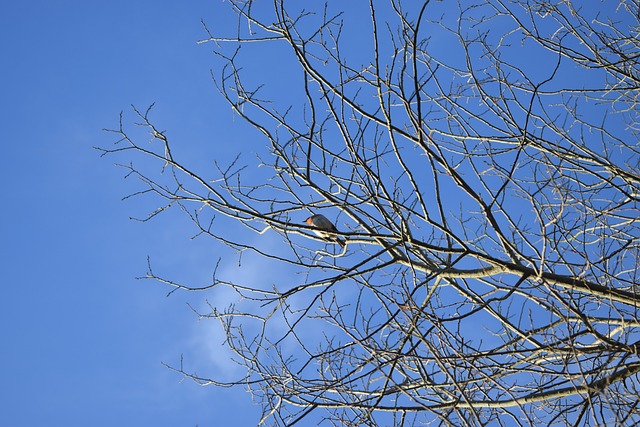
{"x":480,"y":159}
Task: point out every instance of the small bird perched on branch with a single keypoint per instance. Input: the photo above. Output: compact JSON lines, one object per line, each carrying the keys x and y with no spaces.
{"x":324,"y":228}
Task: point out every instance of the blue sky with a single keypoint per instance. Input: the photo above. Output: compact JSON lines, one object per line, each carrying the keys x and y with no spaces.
{"x":83,"y":341}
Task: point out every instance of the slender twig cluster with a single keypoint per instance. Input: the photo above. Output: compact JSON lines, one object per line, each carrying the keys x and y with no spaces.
{"x":481,"y":162}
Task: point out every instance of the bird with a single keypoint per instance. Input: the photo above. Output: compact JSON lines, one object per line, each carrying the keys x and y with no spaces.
{"x":324,"y":228}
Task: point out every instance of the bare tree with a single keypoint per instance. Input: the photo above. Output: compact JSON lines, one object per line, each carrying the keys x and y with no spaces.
{"x":481,"y":161}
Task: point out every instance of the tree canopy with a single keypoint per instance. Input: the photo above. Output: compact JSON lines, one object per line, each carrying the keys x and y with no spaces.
{"x":481,"y":161}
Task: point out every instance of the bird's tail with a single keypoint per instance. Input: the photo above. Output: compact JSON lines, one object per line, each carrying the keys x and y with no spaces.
{"x":340,"y":242}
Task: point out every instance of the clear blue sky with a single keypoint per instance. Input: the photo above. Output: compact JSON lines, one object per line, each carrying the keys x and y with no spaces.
{"x":82,"y":340}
